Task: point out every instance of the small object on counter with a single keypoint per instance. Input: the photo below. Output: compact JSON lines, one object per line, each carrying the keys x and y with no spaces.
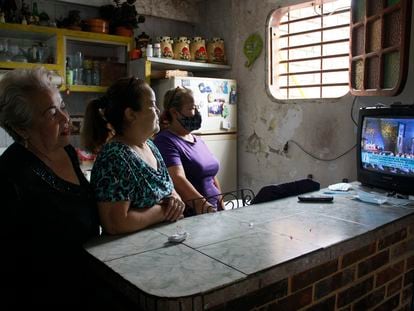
{"x":315,"y":198}
{"x":371,"y":198}
{"x":340,"y":187}
{"x":178,"y":237}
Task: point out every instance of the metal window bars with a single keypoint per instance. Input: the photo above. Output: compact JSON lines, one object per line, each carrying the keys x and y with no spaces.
{"x":225,"y":201}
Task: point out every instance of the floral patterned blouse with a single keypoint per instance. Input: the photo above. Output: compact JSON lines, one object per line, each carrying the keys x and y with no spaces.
{"x":119,"y":174}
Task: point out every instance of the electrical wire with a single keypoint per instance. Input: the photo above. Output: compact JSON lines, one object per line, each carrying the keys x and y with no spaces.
{"x":318,"y":158}
{"x":331,"y":159}
{"x":352,"y":111}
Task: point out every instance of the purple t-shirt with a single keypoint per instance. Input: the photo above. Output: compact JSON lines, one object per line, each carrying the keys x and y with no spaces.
{"x":200,"y":165}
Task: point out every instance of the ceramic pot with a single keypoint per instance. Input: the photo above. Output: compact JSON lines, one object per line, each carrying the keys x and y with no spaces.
{"x":124,"y":31}
{"x":166,"y":46}
{"x":182,"y":49}
{"x":198,"y":49}
{"x":215,"y":51}
{"x":97,"y":25}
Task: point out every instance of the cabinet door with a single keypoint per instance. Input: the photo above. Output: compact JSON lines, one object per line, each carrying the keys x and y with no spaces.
{"x":96,"y":64}
{"x":24,"y":46}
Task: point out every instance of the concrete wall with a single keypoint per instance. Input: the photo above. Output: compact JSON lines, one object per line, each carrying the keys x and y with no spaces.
{"x":322,"y":127}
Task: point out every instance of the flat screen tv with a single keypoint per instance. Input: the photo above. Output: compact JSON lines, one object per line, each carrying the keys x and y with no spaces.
{"x":385,"y":148}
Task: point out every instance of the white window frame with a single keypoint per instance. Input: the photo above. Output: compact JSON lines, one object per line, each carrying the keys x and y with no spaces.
{"x":276,"y":88}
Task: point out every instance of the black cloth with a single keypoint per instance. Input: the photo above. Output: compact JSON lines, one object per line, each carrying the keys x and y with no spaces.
{"x":45,"y":221}
{"x":275,"y":192}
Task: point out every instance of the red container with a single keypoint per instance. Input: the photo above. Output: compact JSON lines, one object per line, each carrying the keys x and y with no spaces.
{"x":97,"y":25}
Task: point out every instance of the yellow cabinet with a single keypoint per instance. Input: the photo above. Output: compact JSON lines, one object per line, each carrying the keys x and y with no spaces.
{"x":27,"y":46}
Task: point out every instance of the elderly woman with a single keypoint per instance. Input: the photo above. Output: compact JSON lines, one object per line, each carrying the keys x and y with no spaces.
{"x":48,"y":210}
{"x":129,"y":177}
{"x":190,"y":163}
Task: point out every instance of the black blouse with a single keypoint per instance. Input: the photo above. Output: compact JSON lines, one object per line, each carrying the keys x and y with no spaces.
{"x":45,"y":221}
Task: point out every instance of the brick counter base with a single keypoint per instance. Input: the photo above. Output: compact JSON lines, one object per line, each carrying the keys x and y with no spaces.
{"x":377,"y":276}
{"x":374,"y":271}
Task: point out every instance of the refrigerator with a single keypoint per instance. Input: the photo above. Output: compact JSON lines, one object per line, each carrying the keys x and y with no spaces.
{"x":216,"y":100}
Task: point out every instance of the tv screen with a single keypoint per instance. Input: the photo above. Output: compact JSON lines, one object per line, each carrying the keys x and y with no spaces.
{"x":386,"y":148}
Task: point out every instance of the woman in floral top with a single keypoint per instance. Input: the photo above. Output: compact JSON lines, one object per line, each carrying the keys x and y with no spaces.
{"x":129,"y":177}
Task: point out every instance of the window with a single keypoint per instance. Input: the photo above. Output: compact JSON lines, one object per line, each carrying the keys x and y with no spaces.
{"x":309,"y":50}
{"x":380,"y":32}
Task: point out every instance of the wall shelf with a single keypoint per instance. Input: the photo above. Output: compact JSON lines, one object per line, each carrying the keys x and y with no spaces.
{"x":142,"y":67}
{"x":166,"y":63}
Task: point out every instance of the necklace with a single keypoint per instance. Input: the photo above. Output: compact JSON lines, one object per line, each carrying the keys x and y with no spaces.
{"x":36,"y":150}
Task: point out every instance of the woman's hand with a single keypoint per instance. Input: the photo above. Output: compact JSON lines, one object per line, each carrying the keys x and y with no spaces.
{"x":173,"y":208}
{"x":205,"y":207}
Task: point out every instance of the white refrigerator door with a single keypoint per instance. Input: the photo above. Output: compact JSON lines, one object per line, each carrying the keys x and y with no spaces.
{"x":224,"y":147}
{"x":216,"y":99}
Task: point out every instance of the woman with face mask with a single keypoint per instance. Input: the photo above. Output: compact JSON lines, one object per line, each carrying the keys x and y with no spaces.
{"x":192,"y":166}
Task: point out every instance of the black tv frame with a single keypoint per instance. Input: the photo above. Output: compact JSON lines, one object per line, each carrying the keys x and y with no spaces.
{"x":383,"y":180}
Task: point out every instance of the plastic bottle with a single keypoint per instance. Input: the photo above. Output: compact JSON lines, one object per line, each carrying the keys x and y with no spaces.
{"x":157,"y":50}
{"x":149,"y":51}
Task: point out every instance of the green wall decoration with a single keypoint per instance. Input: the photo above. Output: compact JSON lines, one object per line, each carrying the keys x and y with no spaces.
{"x":252,"y":48}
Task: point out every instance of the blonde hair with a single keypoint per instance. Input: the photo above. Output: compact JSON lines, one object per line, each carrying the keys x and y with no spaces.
{"x":173,"y":99}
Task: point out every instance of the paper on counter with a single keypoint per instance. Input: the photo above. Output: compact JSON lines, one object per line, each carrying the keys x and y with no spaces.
{"x":370,"y":198}
{"x":342,"y":186}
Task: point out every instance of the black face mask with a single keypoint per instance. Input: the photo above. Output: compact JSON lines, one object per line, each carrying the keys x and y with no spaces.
{"x":191,"y":123}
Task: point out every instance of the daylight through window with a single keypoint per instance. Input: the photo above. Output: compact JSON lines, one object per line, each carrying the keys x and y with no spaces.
{"x":309,"y":50}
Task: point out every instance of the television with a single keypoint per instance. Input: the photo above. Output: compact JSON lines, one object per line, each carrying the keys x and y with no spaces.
{"x":385,"y":148}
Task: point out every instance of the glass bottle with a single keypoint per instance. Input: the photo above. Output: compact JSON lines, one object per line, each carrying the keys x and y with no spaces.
{"x":35,"y":13}
{"x":69,"y":72}
{"x":96,"y":77}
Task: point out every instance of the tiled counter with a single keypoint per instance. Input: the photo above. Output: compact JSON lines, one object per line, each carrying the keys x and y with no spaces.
{"x":280,"y":255}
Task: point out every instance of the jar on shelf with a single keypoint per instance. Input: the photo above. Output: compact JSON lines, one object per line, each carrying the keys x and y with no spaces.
{"x":182,"y":48}
{"x":198,"y":49}
{"x":149,"y":50}
{"x":215,"y":51}
{"x":157,"y":50}
{"x":166,"y":46}
{"x":142,"y":40}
